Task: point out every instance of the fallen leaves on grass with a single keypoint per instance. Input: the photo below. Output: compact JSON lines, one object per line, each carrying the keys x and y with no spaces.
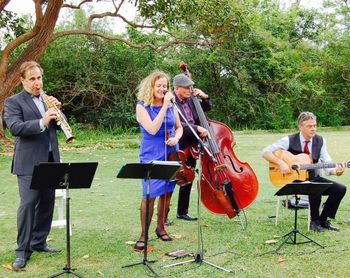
{"x":271,"y":241}
{"x":177,"y":236}
{"x":9,"y":267}
{"x":150,"y":249}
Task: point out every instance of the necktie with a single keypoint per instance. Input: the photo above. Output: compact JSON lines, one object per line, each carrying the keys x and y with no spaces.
{"x":306,"y":147}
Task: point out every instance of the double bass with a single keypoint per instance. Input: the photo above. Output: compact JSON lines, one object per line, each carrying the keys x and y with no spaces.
{"x":227,"y":185}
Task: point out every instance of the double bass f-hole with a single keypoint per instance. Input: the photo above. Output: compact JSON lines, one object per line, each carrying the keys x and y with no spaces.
{"x":233,"y":165}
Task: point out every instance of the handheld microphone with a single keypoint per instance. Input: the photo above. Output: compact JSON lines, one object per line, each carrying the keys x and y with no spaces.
{"x":172,"y":100}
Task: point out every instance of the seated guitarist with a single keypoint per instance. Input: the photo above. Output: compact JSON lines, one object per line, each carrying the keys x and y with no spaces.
{"x":307,"y":141}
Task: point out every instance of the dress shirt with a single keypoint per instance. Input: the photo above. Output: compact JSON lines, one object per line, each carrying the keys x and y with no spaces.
{"x":283,"y":144}
{"x":188,"y":112}
{"x":39,"y":103}
{"x":38,"y":100}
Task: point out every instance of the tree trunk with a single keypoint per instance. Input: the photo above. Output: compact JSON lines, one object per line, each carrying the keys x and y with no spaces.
{"x":6,"y":144}
{"x":9,"y":75}
{"x":5,"y":90}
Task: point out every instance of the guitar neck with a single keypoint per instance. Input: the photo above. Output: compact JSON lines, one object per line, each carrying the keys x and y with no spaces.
{"x":324,"y":165}
{"x":299,"y":164}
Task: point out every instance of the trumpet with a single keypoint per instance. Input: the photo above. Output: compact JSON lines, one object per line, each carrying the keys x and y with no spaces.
{"x":61,"y":119}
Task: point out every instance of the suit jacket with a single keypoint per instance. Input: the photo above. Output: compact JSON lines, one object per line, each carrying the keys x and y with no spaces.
{"x":188,"y":138}
{"x":22,"y":117}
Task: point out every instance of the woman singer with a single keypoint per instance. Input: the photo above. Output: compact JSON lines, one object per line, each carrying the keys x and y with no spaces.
{"x":161,"y":130}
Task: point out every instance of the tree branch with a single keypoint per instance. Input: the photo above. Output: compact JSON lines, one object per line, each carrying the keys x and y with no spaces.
{"x":38,"y":11}
{"x":157,"y":48}
{"x":76,"y":7}
{"x":117,"y":14}
{"x":40,"y":38}
{"x":3,"y":4}
{"x":11,"y":46}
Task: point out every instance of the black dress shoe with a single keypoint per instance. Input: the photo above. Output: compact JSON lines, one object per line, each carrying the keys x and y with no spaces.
{"x":316,"y":226}
{"x":18,"y":264}
{"x":47,"y":249}
{"x":327,"y":225}
{"x":186,"y":217}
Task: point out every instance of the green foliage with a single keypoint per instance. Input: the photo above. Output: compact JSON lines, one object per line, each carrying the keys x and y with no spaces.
{"x":260,"y":64}
{"x":167,"y":12}
{"x":11,"y":26}
{"x":95,"y":77}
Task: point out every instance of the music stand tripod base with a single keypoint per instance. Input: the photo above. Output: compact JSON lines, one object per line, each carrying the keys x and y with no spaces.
{"x":164,"y":170}
{"x":199,"y":256}
{"x":66,"y":176}
{"x":66,"y":270}
{"x":299,"y":188}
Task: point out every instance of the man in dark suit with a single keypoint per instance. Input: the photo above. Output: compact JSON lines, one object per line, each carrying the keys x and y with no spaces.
{"x":35,"y":141}
{"x":307,"y":141}
{"x":184,"y":93}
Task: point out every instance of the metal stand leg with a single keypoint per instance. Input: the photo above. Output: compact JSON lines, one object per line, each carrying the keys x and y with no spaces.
{"x":199,"y":256}
{"x":145,"y":262}
{"x":67,"y":269}
{"x":292,"y":235}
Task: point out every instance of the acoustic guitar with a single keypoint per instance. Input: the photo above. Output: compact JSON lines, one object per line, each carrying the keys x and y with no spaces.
{"x":298,"y":164}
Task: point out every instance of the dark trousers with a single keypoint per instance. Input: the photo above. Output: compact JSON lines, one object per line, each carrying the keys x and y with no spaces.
{"x":183,"y":202}
{"x":335,"y":193}
{"x":34,"y":217}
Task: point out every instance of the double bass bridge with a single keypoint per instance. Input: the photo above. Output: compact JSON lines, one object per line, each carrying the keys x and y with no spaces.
{"x":220,"y":167}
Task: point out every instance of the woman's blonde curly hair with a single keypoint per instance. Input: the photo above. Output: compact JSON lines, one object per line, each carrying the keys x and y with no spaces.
{"x":146,"y":87}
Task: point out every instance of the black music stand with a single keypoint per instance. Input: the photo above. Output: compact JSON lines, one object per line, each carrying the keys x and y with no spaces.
{"x":300,"y":188}
{"x":54,"y":175}
{"x":164,"y":170}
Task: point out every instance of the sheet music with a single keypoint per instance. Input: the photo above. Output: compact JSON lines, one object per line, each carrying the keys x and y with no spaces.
{"x":168,"y":163}
{"x":310,"y":182}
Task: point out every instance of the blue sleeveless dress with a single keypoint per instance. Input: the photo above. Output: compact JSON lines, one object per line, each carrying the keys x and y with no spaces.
{"x":153,"y":147}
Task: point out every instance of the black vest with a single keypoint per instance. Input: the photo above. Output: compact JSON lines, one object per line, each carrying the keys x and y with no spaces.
{"x":295,"y":148}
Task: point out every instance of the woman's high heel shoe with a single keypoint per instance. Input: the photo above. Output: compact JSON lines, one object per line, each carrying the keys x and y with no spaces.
{"x":164,"y":237}
{"x":139,"y":245}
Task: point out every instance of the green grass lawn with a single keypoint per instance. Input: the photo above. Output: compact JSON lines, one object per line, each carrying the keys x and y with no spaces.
{"x":106,"y":217}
